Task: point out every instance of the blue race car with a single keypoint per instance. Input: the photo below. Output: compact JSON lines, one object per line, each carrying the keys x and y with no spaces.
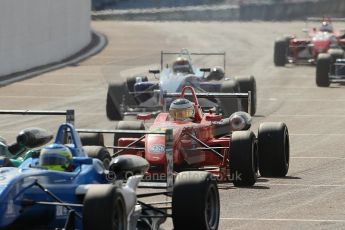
{"x":84,"y":195}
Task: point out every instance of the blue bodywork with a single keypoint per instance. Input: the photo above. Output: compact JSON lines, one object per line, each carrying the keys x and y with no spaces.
{"x":21,"y":184}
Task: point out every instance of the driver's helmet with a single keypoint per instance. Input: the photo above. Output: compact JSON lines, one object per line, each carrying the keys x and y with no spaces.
{"x":181,"y":109}
{"x":326,"y":27}
{"x":182,"y":65}
{"x":55,"y":157}
{"x":216,"y":73}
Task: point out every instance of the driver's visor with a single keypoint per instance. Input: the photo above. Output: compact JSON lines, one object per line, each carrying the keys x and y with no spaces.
{"x":52,"y":159}
{"x":181,"y":114}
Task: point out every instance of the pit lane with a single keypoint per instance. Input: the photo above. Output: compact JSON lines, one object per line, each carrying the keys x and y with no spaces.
{"x":310,"y":197}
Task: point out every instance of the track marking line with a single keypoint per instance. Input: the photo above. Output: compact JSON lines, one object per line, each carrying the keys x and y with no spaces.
{"x":336,"y":158}
{"x":281,"y":219}
{"x":316,"y":134}
{"x":308,"y":115}
{"x":303,"y":185}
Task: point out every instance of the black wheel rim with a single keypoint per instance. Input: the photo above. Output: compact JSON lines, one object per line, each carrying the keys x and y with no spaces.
{"x":212,"y":208}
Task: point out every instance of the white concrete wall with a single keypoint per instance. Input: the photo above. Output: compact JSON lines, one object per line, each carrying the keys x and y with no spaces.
{"x":39,"y":32}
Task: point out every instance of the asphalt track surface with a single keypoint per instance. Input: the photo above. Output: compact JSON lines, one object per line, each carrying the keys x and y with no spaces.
{"x":310,"y":197}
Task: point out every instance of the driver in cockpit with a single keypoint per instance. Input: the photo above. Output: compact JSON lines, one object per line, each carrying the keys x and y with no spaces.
{"x":182,"y":65}
{"x":326,"y":27}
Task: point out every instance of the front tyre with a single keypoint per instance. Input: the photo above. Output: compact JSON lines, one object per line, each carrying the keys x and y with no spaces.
{"x":243,"y":162}
{"x":104,"y":208}
{"x":280,"y":52}
{"x":323,"y":67}
{"x":195,"y":201}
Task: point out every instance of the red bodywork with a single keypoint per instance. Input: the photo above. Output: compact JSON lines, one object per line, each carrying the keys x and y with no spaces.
{"x":187,"y":153}
{"x":316,"y":42}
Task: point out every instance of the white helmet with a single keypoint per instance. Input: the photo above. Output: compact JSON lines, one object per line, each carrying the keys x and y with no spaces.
{"x":182,"y":65}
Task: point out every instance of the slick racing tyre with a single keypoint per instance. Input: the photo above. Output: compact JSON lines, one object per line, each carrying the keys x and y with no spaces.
{"x":114,"y":100}
{"x":274,"y":149}
{"x":248,"y":84}
{"x":243,"y":158}
{"x":195,"y":201}
{"x":92,"y":139}
{"x":117,"y":96}
{"x":104,"y":208}
{"x":230,"y":105}
{"x":127,"y":125}
{"x":280,"y":52}
{"x":323,"y":67}
{"x":100,"y":153}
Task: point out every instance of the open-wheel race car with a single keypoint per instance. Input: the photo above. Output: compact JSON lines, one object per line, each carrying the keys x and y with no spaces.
{"x":63,"y":187}
{"x":138,"y":94}
{"x":324,"y":39}
{"x":207,"y":142}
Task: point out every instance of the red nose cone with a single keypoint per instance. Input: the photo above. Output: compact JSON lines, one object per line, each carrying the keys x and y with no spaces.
{"x":155,"y":149}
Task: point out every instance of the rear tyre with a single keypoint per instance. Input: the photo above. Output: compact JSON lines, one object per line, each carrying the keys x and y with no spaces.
{"x":195,"y":201}
{"x":248,"y":84}
{"x":230,"y":105}
{"x":280,"y":51}
{"x":100,"y":153}
{"x":92,"y":139}
{"x":114,"y":100}
{"x":104,"y":208}
{"x":243,"y":162}
{"x":127,"y":125}
{"x":274,"y":149}
{"x":323,"y":67}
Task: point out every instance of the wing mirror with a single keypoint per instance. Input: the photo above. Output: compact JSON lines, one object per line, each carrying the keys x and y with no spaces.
{"x":154,"y":71}
{"x":205,"y":70}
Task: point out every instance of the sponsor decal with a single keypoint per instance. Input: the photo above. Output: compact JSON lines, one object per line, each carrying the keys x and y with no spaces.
{"x":157,"y":148}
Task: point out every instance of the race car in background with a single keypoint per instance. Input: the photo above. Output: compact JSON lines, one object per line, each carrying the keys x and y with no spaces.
{"x":209,"y":142}
{"x":138,"y":94}
{"x":324,"y":39}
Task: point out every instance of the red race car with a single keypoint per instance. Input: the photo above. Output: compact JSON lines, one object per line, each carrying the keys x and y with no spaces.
{"x":324,"y":39}
{"x":206,"y":141}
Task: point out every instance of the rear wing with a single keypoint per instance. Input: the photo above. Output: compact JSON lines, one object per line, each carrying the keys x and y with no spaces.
{"x":70,"y":115}
{"x":185,"y":52}
{"x":320,"y":19}
{"x":168,"y":133}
